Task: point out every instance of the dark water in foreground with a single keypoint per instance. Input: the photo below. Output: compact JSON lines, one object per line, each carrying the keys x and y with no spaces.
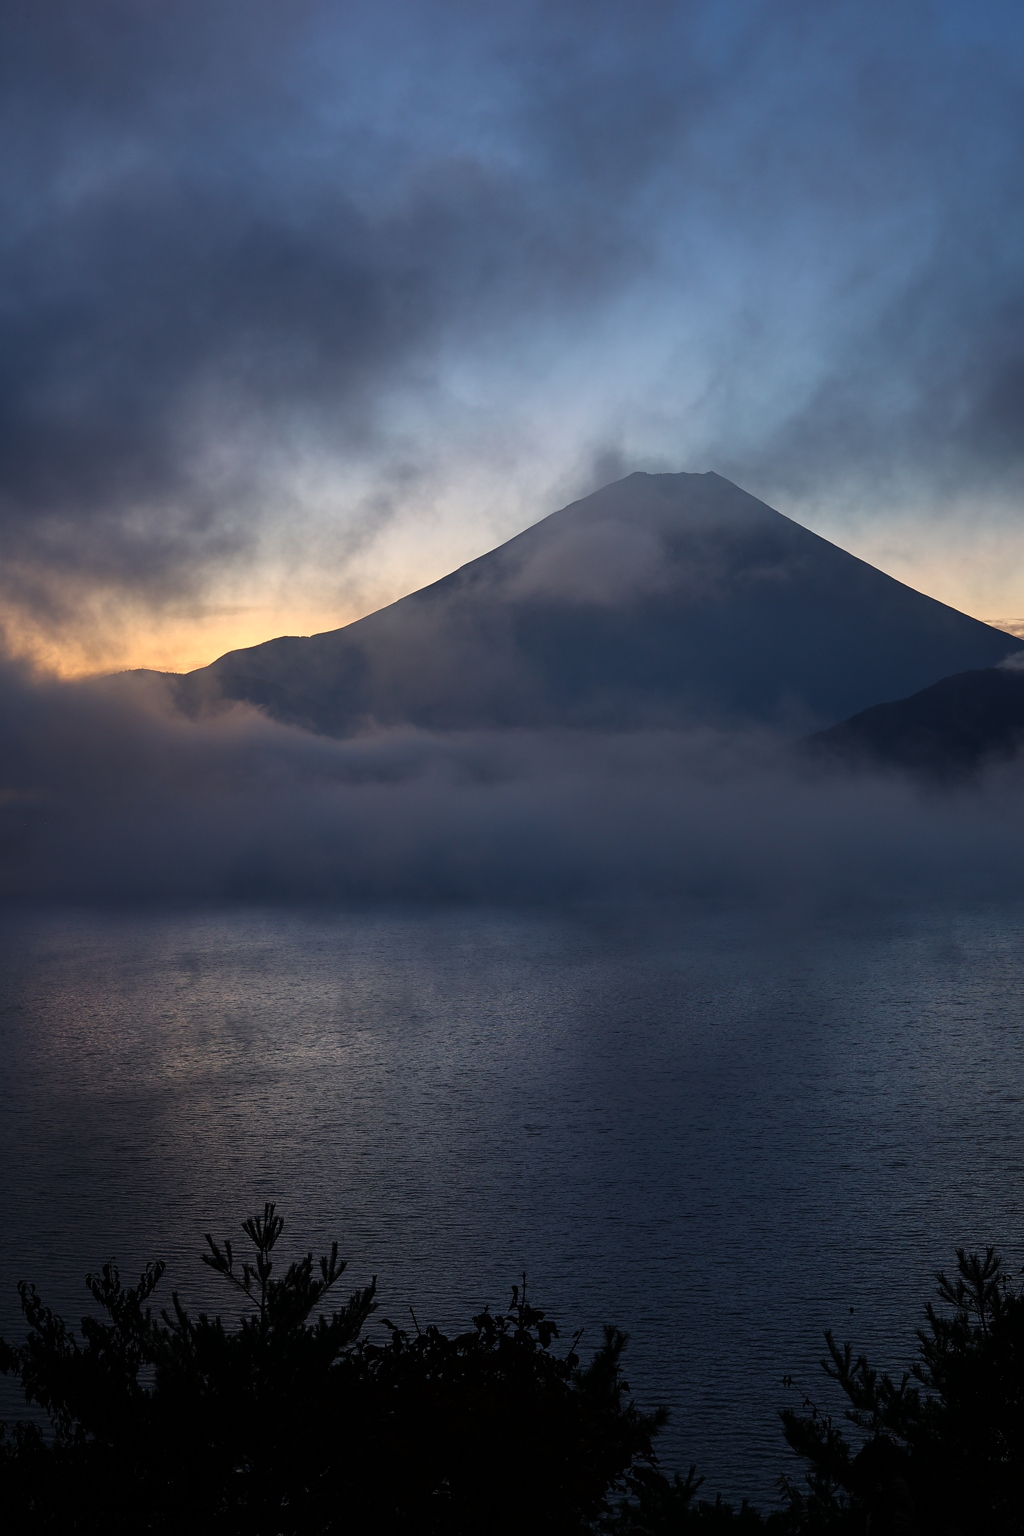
{"x":718,"y":1135}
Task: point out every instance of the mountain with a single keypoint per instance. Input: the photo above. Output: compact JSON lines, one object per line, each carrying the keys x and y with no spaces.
{"x":946,"y":731}
{"x":661,"y":600}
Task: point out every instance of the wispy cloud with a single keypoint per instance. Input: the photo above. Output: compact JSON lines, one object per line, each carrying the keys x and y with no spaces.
{"x":281,"y":281}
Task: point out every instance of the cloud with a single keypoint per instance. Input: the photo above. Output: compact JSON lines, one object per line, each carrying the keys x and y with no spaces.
{"x":209,"y":277}
{"x":606,"y":563}
{"x":271,"y":273}
{"x":108,"y":795}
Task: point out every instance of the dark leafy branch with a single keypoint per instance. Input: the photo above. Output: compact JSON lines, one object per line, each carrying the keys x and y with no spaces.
{"x":297,"y":1421}
{"x":300,"y":1420}
{"x":941,"y":1448}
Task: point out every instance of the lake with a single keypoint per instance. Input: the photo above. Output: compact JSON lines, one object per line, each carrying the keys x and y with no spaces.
{"x":723,"y":1132}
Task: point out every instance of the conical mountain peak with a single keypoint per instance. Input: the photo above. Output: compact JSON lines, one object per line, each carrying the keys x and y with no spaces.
{"x":659,"y":601}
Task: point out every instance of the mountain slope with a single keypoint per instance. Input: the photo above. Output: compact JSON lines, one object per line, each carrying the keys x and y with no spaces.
{"x":946,"y":731}
{"x":660,"y":600}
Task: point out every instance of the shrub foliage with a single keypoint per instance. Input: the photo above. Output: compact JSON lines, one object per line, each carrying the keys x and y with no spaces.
{"x":297,"y":1421}
{"x":302,"y":1420}
{"x":941,"y":1449}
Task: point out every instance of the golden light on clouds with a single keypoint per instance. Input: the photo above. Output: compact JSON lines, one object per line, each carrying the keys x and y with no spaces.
{"x":316,"y":585}
{"x":164,"y":641}
{"x":1012,"y":626}
{"x":78,"y":632}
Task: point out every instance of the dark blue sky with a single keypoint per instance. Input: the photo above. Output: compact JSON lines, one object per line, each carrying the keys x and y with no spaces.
{"x":302,"y":305}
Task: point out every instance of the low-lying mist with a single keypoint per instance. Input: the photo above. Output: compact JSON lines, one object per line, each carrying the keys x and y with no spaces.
{"x":108,"y":794}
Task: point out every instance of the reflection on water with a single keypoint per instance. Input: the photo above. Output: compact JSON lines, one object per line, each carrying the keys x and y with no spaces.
{"x":721,"y":1138}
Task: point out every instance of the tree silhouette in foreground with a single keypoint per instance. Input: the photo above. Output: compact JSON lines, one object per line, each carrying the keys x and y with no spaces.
{"x":942,"y":1448}
{"x":295,"y":1421}
{"x":940,"y":1452}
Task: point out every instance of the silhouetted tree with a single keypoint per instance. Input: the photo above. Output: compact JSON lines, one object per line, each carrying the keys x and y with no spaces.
{"x":296,"y":1422}
{"x":940,"y":1452}
{"x":667,"y":1508}
{"x":942,"y":1449}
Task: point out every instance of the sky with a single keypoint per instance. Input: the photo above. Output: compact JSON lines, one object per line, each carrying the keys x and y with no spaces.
{"x":303,"y":306}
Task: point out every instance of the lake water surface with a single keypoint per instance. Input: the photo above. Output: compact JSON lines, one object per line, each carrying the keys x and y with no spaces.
{"x":720,"y":1133}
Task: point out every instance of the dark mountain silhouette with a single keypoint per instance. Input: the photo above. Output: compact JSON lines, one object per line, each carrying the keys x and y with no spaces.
{"x":946,"y":731}
{"x":661,"y":600}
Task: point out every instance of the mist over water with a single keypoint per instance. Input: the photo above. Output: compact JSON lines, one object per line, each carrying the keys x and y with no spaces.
{"x":108,"y":794}
{"x":719,"y":1131}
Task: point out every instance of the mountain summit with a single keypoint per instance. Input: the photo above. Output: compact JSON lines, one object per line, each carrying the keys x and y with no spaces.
{"x":661,"y":600}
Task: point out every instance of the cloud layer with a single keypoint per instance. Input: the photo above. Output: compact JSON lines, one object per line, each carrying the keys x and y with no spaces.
{"x":284,"y":284}
{"x":109,"y":795}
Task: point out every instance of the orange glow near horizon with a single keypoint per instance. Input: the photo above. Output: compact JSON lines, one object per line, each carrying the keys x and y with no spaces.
{"x":163,"y":643}
{"x":182,"y":647}
{"x":104,"y":634}
{"x":108,"y":632}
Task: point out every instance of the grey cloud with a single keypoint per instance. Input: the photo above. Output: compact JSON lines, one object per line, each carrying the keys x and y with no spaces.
{"x":108,"y":795}
{"x":233,"y":232}
{"x":606,"y":562}
{"x":931,"y":399}
{"x":195,"y":286}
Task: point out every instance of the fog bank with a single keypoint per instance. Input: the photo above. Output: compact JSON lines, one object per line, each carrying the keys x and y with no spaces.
{"x":109,"y":795}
